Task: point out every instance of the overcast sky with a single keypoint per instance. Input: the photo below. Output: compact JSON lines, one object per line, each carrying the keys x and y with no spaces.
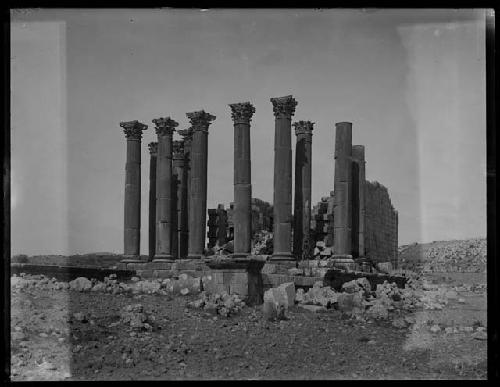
{"x":412,"y":82}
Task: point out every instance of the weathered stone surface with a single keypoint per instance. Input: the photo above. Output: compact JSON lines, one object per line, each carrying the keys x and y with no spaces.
{"x":348,"y":302}
{"x":269,"y":268}
{"x":80,"y":284}
{"x":283,"y":295}
{"x":313,"y":308}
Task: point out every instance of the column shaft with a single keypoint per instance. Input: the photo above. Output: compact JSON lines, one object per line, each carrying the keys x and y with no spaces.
{"x":153,"y":149}
{"x":164,"y":203}
{"x":132,"y":203}
{"x":242,"y":215}
{"x":198,"y":196}
{"x":283,"y":108}
{"x":179,"y":187}
{"x":302,"y":206}
{"x":343,"y":189}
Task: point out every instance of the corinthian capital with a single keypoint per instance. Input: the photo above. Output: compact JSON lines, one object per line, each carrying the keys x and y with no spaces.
{"x":165,"y":126}
{"x":200,"y":120}
{"x":153,"y":148}
{"x":284,"y":106}
{"x":178,"y":149}
{"x":133,"y":129}
{"x":242,"y":112}
{"x":303,"y":127}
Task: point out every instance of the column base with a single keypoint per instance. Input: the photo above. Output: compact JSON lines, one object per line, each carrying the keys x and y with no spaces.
{"x":131,"y":259}
{"x":239,"y":255}
{"x":194,"y":256}
{"x":163,"y":258}
{"x":282,"y":257}
{"x":343,"y":261}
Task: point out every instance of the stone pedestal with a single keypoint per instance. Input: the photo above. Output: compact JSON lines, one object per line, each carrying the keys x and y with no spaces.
{"x":343,"y":189}
{"x":165,"y":128}
{"x":153,"y":151}
{"x":283,"y":108}
{"x":241,"y":114}
{"x":200,"y":121}
{"x":179,"y":238}
{"x":302,"y":208}
{"x":343,"y":261}
{"x":358,"y":199}
{"x":187,"y":135}
{"x":132,"y":214}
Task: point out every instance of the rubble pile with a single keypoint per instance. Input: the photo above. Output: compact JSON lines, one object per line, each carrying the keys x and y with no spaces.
{"x":223,"y":304}
{"x":183,"y":285}
{"x":317,"y":295}
{"x":263,"y":243}
{"x":462,"y":256}
{"x":136,"y":317}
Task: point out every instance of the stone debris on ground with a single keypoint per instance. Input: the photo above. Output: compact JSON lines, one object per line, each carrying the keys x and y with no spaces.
{"x":136,"y":317}
{"x":222,"y":304}
{"x":183,"y":285}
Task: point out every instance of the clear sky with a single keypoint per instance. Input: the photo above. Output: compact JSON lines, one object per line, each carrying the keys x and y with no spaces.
{"x":412,"y":82}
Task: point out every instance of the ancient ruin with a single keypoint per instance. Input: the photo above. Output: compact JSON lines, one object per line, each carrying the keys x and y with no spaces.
{"x":355,"y":227}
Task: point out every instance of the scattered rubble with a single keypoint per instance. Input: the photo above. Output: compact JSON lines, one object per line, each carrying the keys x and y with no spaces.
{"x":223,"y":304}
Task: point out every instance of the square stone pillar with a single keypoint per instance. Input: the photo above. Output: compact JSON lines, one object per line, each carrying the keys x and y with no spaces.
{"x":343,"y":189}
{"x":132,"y":203}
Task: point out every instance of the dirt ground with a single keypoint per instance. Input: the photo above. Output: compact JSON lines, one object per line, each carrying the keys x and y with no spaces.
{"x":49,"y":343}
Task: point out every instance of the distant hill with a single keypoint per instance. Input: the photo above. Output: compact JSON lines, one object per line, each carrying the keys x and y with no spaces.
{"x":466,"y":256}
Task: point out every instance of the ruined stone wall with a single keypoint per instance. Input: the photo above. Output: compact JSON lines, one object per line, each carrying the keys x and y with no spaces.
{"x":381,"y":224}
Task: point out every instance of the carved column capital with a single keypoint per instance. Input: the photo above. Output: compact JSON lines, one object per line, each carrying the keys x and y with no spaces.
{"x":284,"y":106}
{"x":200,"y":120}
{"x":187,"y":135}
{"x":153,"y":148}
{"x":303,"y":127}
{"x":133,"y":129}
{"x":242,"y":112}
{"x":178,"y":150}
{"x":165,"y":126}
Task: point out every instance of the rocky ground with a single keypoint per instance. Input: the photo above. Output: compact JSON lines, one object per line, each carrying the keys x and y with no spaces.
{"x":87,"y":330}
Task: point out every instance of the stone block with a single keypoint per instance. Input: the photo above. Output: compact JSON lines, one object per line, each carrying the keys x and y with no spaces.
{"x":162,"y":274}
{"x":269,"y":268}
{"x":137,"y":266}
{"x":313,"y":308}
{"x":144,"y":273}
{"x":160,"y":265}
{"x":283,"y":295}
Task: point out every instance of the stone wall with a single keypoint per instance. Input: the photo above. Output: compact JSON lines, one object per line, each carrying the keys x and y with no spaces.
{"x":381,"y":224}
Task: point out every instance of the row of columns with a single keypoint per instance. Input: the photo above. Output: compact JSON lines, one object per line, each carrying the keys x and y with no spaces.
{"x":178,"y":171}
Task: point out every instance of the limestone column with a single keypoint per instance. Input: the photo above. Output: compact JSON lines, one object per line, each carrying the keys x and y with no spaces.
{"x":132,"y":214}
{"x":283,"y":108}
{"x":153,"y":151}
{"x":241,"y":113}
{"x":302,"y":207}
{"x":179,"y":244}
{"x":187,"y":136}
{"x":342,"y":188}
{"x":200,"y":120}
{"x":165,"y":128}
{"x":358,"y":155}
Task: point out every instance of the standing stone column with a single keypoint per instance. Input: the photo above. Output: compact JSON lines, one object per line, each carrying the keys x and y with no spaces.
{"x":187,"y":136}
{"x":302,"y":208}
{"x":165,"y":128}
{"x":241,"y":113}
{"x":179,"y":244}
{"x":342,"y":188}
{"x":153,"y":151}
{"x":283,"y":108}
{"x":200,"y":120}
{"x":358,"y":155}
{"x":132,"y":216}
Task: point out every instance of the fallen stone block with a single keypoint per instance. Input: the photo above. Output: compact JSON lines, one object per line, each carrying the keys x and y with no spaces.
{"x":313,"y":308}
{"x":81,"y":284}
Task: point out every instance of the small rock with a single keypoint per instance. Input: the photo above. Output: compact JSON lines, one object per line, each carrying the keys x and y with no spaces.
{"x":184,"y":291}
{"x":43,"y":334}
{"x":399,"y":323}
{"x":480,"y":335}
{"x":461,"y":300}
{"x":435,"y":328}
